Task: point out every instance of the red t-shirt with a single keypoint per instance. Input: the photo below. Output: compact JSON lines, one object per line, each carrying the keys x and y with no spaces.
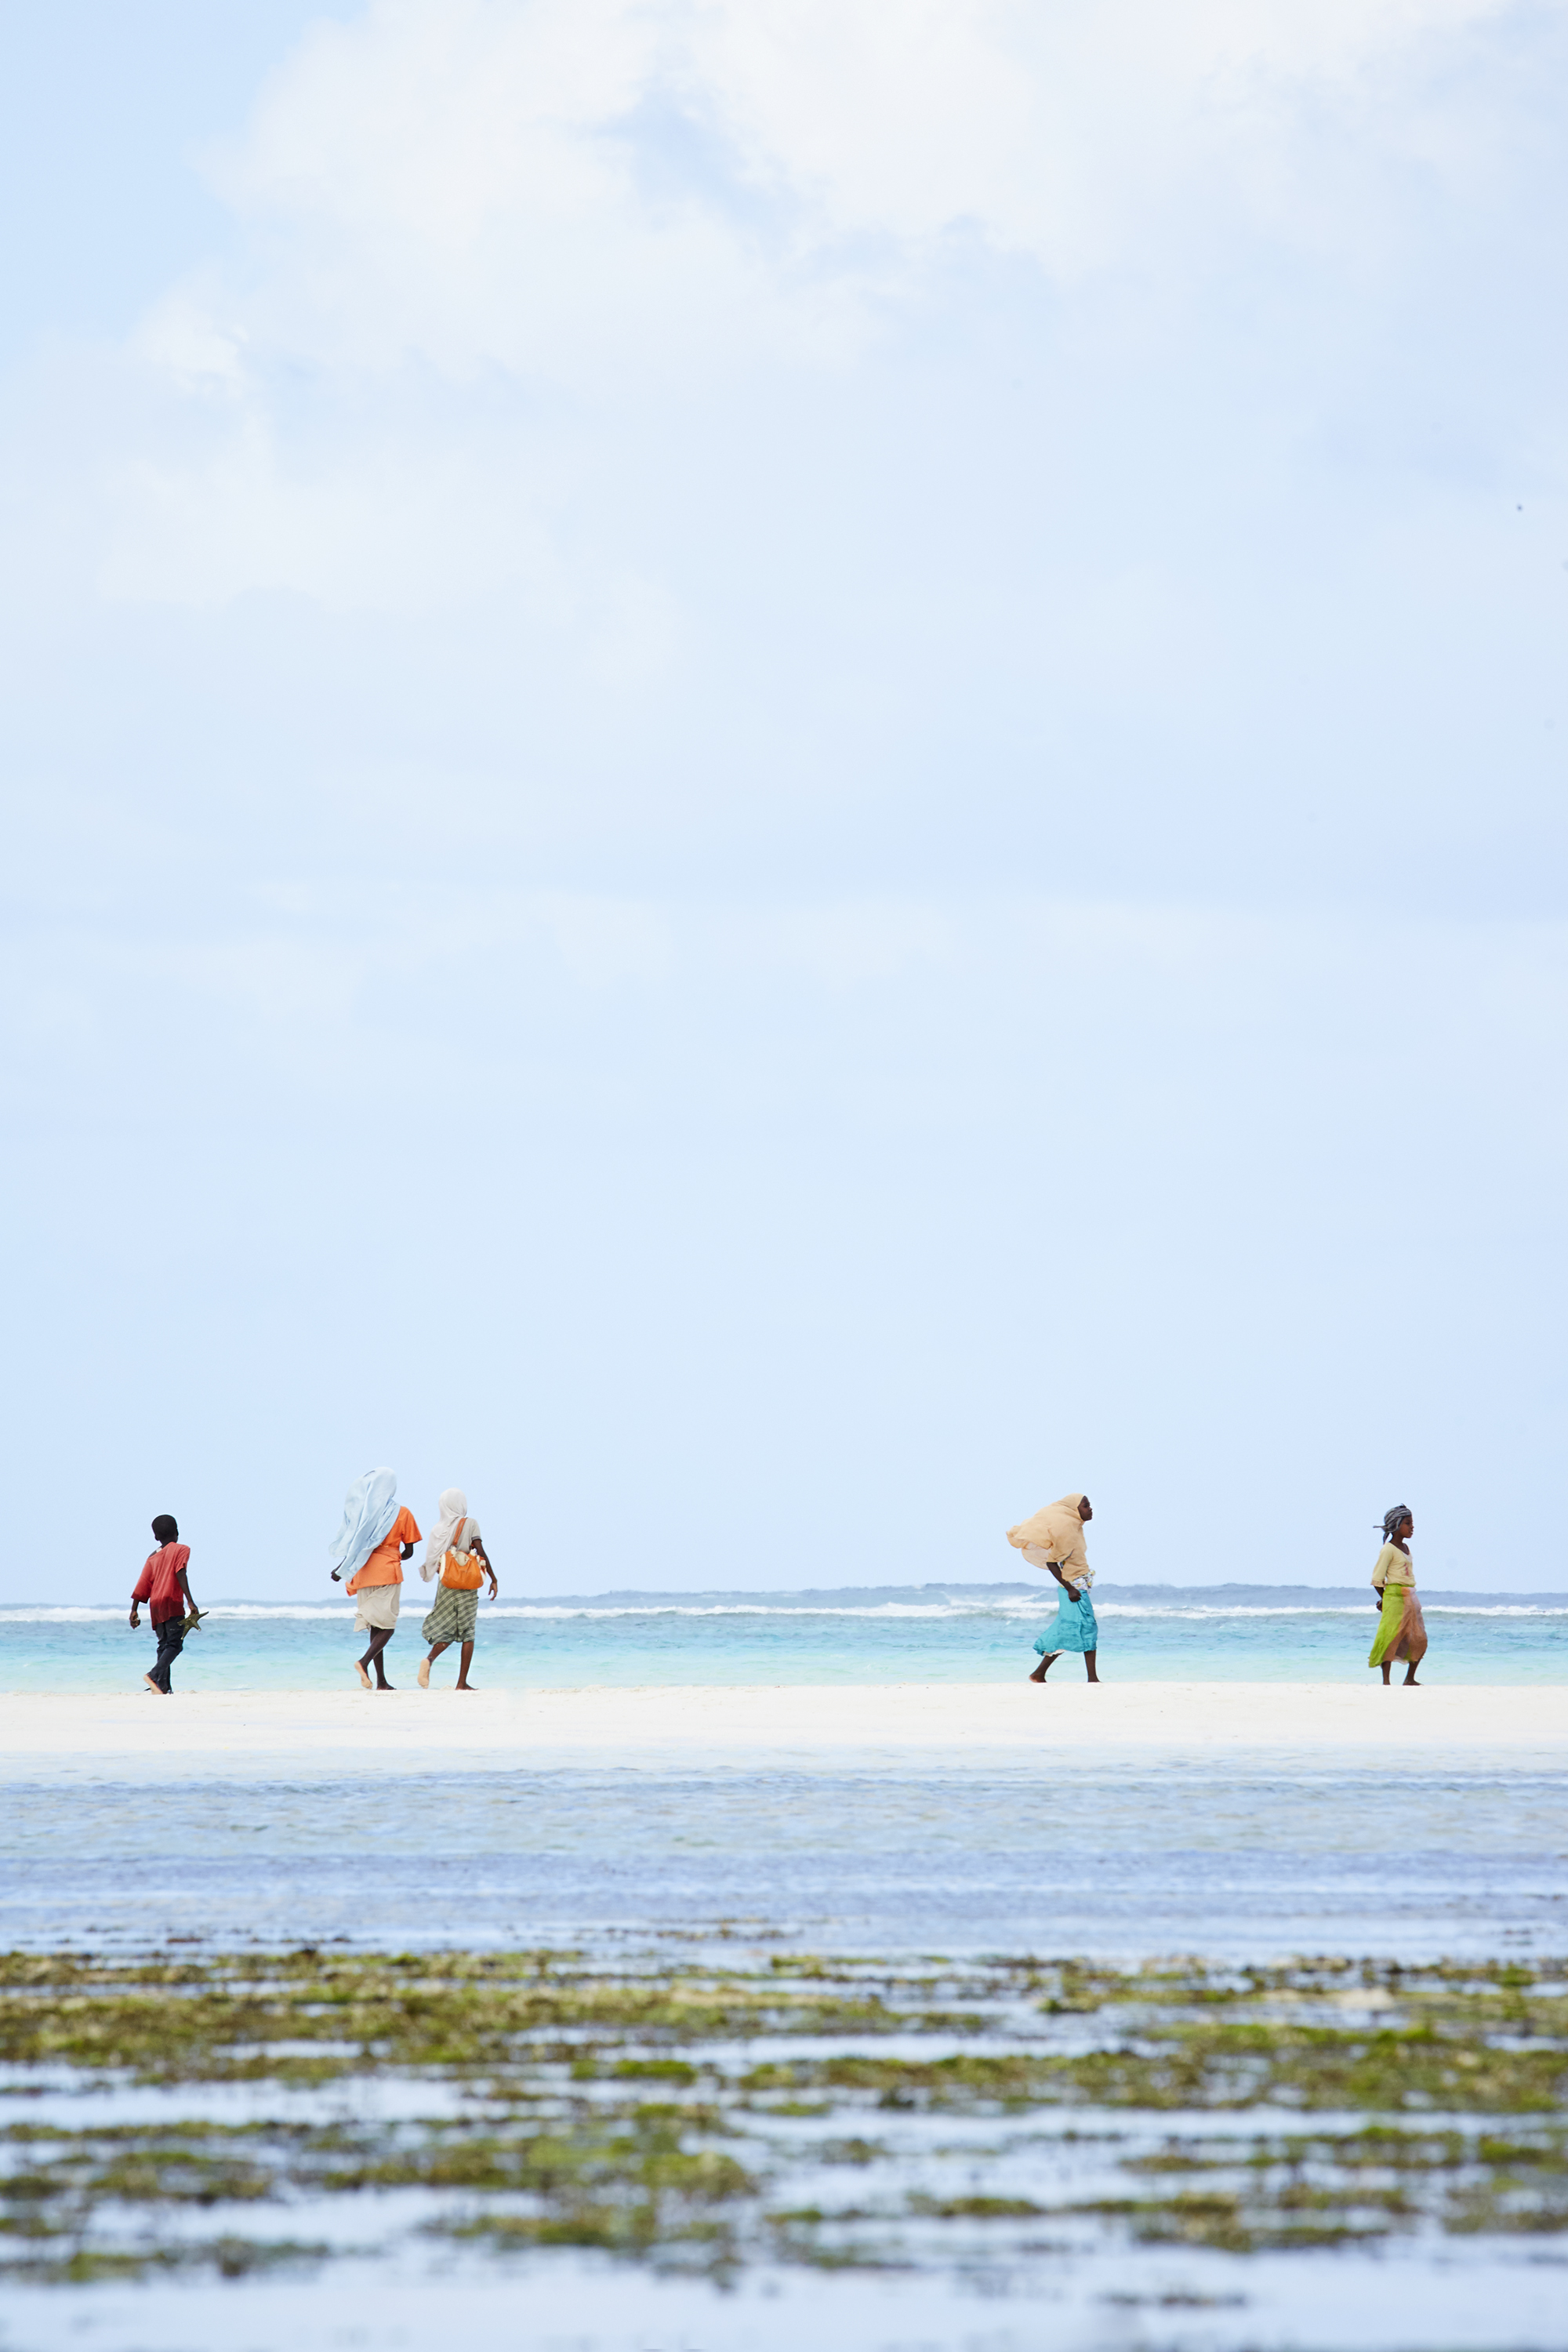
{"x":385,"y":1565}
{"x":159,"y":1583}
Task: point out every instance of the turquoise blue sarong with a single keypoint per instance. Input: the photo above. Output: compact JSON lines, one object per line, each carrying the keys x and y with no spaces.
{"x":1072,"y":1628}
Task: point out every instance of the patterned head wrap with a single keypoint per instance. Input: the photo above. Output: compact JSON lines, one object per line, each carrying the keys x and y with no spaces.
{"x":1393,"y":1520}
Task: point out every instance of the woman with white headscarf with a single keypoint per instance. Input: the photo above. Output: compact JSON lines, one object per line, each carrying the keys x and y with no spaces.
{"x":457,"y":1556}
{"x":375,"y":1539}
{"x":1053,"y":1540}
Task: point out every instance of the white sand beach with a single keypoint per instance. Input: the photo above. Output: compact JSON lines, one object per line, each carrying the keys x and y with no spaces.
{"x":947,"y":1722}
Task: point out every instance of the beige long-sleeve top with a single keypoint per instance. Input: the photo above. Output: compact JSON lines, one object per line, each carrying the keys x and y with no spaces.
{"x":1392,"y":1565}
{"x":1059,"y":1532}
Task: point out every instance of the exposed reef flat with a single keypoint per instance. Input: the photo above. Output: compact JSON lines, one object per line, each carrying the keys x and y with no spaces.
{"x":184,"y":2112}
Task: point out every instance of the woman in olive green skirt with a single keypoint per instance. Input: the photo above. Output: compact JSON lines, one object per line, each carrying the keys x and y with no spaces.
{"x":1401,"y":1628}
{"x":457,"y":1555}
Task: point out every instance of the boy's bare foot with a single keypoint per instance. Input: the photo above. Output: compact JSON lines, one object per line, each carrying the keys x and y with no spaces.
{"x":360,"y":1671}
{"x":424,"y":1676}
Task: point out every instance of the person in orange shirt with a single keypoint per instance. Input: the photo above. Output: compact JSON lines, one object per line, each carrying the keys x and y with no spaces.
{"x":376,"y":1537}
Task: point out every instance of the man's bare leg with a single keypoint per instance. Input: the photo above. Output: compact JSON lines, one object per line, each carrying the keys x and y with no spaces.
{"x":463,"y":1682}
{"x":1048,"y":1660}
{"x":378,"y":1641}
{"x":425,"y":1664}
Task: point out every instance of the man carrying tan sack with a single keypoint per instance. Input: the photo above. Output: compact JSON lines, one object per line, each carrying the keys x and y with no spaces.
{"x":455,"y":1555}
{"x":1053,"y":1540}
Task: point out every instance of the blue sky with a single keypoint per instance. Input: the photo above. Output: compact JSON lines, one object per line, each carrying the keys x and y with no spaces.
{"x":778,"y":774}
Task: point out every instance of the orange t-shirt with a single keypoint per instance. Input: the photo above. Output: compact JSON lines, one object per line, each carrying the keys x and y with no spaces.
{"x":383,"y":1565}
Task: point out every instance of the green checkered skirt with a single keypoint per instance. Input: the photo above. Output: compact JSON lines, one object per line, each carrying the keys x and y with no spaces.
{"x":454,"y":1617}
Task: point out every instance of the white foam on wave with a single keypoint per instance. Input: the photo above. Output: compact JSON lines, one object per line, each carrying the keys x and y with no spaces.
{"x":1327,"y":1609}
{"x":264,"y":1609}
{"x":656,"y":1607}
{"x":1028,"y":1605}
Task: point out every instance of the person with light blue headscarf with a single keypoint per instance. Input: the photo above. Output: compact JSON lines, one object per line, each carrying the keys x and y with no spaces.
{"x":375,"y":1538}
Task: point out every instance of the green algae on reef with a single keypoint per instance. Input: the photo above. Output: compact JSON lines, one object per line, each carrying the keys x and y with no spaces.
{"x":672,"y":2112}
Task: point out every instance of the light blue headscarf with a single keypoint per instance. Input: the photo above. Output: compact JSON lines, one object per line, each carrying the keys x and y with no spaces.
{"x":370,"y":1507}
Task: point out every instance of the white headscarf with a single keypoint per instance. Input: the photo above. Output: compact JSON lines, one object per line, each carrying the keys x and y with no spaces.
{"x":370,"y":1507}
{"x":452,"y":1507}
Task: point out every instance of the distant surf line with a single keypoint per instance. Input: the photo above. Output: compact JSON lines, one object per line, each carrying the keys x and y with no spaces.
{"x":281,"y":1611}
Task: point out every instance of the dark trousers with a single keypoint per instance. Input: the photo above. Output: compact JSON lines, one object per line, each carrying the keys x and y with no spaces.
{"x":170,"y":1642}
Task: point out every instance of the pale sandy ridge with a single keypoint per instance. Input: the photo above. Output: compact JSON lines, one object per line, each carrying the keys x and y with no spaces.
{"x":945,"y":1722}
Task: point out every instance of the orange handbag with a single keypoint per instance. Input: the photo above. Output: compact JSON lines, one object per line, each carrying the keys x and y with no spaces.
{"x":464,"y":1575}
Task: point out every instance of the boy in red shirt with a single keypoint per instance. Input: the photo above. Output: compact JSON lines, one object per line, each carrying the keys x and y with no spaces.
{"x":165,"y":1587}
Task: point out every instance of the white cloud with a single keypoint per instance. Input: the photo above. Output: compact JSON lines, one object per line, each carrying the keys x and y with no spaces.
{"x":1215,"y":1016}
{"x":494,"y":166}
{"x":180,"y":339}
{"x":367,"y":530}
{"x":491,"y":241}
{"x":468,"y":184}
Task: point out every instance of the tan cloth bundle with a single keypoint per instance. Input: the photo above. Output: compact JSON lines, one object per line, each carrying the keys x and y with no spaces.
{"x":1057,"y":1530}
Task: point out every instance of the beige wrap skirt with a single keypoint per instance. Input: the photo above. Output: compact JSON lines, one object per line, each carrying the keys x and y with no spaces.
{"x":377,"y":1608}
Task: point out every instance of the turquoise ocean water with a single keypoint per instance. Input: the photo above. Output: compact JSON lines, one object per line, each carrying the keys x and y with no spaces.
{"x":868,"y":1634}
